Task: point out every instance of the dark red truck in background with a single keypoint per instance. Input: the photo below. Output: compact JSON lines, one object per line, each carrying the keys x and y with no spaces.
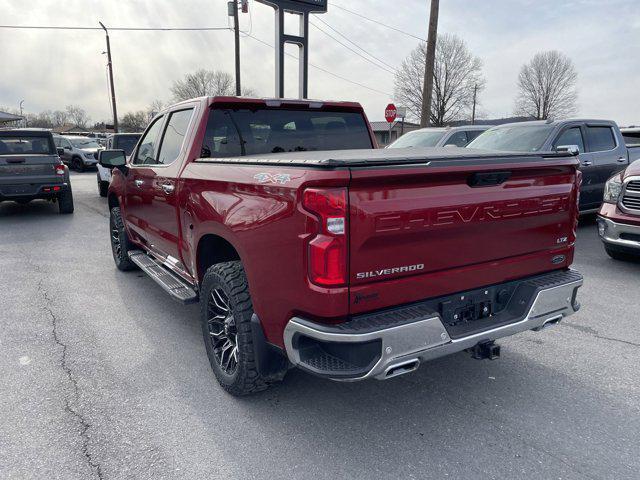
{"x":619,"y":216}
{"x":349,"y":264}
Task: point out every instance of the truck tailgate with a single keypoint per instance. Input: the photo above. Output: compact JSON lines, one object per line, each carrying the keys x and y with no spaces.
{"x":423,"y":231}
{"x":27,"y":172}
{"x":21,"y":169}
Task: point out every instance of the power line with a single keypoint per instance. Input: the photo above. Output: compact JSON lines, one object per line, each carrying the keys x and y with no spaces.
{"x":325,"y":70}
{"x":399,"y":30}
{"x":138,"y":29}
{"x":356,"y":45}
{"x":352,"y":50}
{"x":163,"y":29}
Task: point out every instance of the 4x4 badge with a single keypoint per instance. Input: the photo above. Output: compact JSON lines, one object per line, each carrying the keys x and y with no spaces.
{"x":280,"y":178}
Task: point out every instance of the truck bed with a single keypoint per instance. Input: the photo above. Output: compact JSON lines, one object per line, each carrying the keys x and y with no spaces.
{"x":444,"y":157}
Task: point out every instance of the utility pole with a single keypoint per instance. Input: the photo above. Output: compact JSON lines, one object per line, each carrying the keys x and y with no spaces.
{"x":113,"y":90}
{"x":473,"y":112}
{"x":429,"y":64}
{"x":22,"y":120}
{"x":236,"y":32}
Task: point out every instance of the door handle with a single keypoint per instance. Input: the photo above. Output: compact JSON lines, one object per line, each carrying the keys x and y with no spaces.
{"x":587,"y":163}
{"x":139,"y":183}
{"x":168,"y":188}
{"x":622,"y":160}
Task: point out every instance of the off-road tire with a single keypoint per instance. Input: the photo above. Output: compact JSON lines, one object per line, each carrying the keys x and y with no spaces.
{"x":231,"y":279}
{"x":121,"y":254}
{"x":77,"y":164}
{"x":103,"y":187}
{"x":65,"y":201}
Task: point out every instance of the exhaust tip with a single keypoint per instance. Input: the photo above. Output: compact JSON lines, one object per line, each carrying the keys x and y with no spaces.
{"x":549,"y":323}
{"x":402,"y":368}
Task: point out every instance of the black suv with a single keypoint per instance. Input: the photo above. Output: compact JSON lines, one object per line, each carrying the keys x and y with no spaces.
{"x":30,"y":168}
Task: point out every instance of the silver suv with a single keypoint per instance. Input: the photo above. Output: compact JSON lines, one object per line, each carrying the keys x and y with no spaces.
{"x":79,"y":152}
{"x":439,"y":137}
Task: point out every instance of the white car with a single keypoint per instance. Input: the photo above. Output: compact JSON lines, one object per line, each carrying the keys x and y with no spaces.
{"x":117,"y":141}
{"x":440,"y":137}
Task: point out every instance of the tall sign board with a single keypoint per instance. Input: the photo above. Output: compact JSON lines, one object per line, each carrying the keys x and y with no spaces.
{"x":302,"y":8}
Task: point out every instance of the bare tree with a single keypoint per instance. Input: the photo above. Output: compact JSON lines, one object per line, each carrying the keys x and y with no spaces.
{"x":78,"y":116}
{"x":40,"y":120}
{"x":155,"y":107}
{"x":547,"y":87}
{"x":134,"y":121}
{"x":203,"y":83}
{"x":59,"y":118}
{"x":456,"y":73}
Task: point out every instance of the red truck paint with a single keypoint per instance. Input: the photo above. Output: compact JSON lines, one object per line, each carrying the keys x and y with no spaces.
{"x":399,"y":218}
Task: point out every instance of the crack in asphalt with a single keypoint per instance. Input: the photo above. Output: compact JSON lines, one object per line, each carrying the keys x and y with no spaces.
{"x":593,"y":332}
{"x":84,"y":424}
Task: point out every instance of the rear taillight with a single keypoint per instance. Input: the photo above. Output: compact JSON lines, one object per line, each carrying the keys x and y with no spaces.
{"x":328,"y":249}
{"x":60,"y":169}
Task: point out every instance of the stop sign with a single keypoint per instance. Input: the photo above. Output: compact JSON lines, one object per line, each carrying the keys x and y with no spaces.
{"x":390,"y":113}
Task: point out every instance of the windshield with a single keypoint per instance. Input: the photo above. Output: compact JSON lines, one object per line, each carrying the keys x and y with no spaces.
{"x":239,"y":132}
{"x":84,"y":143}
{"x":418,"y":138}
{"x":126,"y":143}
{"x":519,"y":138}
{"x":25,"y":145}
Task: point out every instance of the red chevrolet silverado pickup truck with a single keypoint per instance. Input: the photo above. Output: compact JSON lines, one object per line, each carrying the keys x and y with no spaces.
{"x":306,"y":247}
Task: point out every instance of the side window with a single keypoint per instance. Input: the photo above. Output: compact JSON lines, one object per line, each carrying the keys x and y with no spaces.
{"x":600,"y":139}
{"x":56,"y":140}
{"x":174,"y":134}
{"x":222,"y":138}
{"x":472,"y":134}
{"x":571,"y":136}
{"x":459,"y":139}
{"x":146,"y":153}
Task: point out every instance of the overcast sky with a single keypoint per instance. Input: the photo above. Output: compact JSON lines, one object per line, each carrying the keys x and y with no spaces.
{"x":51,"y":69}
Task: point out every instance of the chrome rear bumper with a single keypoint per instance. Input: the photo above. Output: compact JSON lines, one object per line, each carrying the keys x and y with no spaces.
{"x":401,"y":348}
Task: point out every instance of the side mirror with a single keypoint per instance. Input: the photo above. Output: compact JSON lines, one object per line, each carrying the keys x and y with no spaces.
{"x":112,"y":158}
{"x":570,"y":149}
{"x":60,"y":151}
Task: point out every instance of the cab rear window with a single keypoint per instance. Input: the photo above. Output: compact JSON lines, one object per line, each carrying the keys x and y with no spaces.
{"x":238,"y":132}
{"x":25,"y":145}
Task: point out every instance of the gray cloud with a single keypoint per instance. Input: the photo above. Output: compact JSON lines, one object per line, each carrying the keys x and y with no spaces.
{"x":52,"y":69}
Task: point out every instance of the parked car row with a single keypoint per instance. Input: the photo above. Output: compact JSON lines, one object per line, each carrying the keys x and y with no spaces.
{"x":601,"y":146}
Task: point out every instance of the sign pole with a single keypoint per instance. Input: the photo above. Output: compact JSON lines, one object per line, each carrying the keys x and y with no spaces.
{"x":302,"y":8}
{"x":390,"y":115}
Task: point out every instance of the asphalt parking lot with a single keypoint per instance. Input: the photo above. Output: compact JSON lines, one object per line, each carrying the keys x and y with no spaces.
{"x":104,"y":376}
